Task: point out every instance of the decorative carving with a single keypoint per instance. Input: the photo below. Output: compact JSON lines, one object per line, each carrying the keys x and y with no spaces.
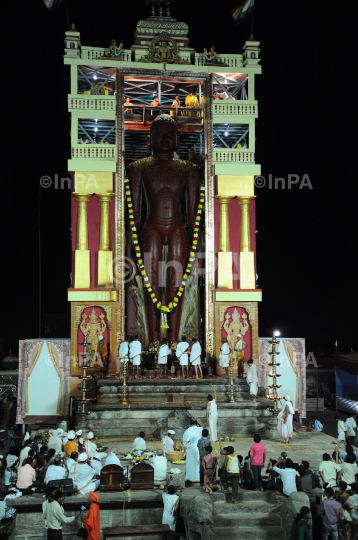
{"x":93,"y":329}
{"x":162,"y":53}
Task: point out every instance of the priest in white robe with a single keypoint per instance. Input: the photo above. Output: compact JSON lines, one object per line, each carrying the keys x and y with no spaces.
{"x":285,"y":420}
{"x":83,"y":476}
{"x":190,"y":440}
{"x":123,"y":356}
{"x":182,"y":354}
{"x":195,"y":357}
{"x":163,"y":354}
{"x":91,"y":446}
{"x":168,"y":443}
{"x":96,"y":464}
{"x":135,"y":354}
{"x":224,"y":359}
{"x":252,"y":378}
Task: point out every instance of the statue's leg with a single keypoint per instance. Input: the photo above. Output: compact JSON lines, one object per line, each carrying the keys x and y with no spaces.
{"x":177,"y":260}
{"x":152,"y":254}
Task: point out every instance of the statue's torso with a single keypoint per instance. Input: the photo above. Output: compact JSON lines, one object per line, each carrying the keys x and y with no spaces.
{"x":164,"y":183}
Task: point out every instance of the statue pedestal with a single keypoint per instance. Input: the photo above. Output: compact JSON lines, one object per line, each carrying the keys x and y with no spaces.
{"x":82,"y":269}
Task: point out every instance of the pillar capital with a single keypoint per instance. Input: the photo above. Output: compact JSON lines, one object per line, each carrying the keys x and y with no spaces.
{"x":245,"y":200}
{"x":82,"y":197}
{"x":105,"y":197}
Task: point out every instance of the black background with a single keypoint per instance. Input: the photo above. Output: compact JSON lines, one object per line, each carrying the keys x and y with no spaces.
{"x":307,"y":238}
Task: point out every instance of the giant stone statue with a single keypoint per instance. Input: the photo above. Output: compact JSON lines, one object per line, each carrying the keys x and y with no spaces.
{"x":163,"y":180}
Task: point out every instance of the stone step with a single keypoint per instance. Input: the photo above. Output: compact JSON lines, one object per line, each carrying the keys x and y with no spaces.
{"x":247,"y":507}
{"x":250,"y":533}
{"x":249,"y":495}
{"x":249,"y":520}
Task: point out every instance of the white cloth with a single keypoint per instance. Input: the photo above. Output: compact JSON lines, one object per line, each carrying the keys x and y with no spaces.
{"x":341,"y":427}
{"x":23,"y":455}
{"x":288,"y":477}
{"x":112,"y":459}
{"x":213,"y":421}
{"x":55,"y":517}
{"x":168,"y":518}
{"x":159,"y":464}
{"x":351,"y":424}
{"x":135,"y":352}
{"x":224,"y":355}
{"x":123,"y":351}
{"x":349,"y":472}
{"x":167,"y":444}
{"x":64,"y":441}
{"x":330,"y":469}
{"x":82,"y":476}
{"x":352,"y":503}
{"x":192,"y":463}
{"x":181,"y":354}
{"x":11,"y":460}
{"x":91,"y":450}
{"x":163,"y":354}
{"x":69,"y":463}
{"x":97,"y":466}
{"x":195,"y":357}
{"x":139,"y":444}
{"x":252,"y":379}
{"x":286,"y":429}
{"x":55,"y":443}
{"x":238,"y":346}
{"x":55,"y":472}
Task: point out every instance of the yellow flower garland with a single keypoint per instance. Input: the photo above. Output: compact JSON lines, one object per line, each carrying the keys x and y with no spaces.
{"x":163,"y":309}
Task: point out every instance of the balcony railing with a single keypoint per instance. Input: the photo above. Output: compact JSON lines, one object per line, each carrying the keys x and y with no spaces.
{"x":96,"y":151}
{"x":92,"y":53}
{"x":228,"y":155}
{"x":232,"y":60}
{"x":229,"y":107}
{"x":92,"y":103}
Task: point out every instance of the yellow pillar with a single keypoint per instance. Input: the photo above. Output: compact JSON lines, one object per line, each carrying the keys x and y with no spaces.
{"x":82,"y":253}
{"x":105,"y":255}
{"x":247,"y":259}
{"x":225,"y":278}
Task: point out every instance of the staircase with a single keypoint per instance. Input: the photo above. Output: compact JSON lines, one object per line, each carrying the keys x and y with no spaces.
{"x":255,"y":516}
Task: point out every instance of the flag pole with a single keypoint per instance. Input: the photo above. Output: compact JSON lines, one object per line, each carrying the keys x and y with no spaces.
{"x":252,"y":25}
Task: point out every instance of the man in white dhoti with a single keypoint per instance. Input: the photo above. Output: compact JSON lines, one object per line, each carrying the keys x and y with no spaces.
{"x":139,"y":443}
{"x":182,"y":354}
{"x":168,"y":443}
{"x":224,"y":360}
{"x":159,"y":464}
{"x":195,"y":357}
{"x":95,"y":463}
{"x":91,"y":444}
{"x":285,"y":420}
{"x":56,"y":471}
{"x":83,"y":476}
{"x":163,"y":357}
{"x":55,"y":441}
{"x":252,"y":378}
{"x":190,"y":440}
{"x":123,"y":356}
{"x":170,"y":501}
{"x":135,"y":354}
{"x":212,"y":416}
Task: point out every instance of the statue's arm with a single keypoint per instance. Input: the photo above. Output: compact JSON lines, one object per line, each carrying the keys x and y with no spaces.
{"x":193,"y":187}
{"x":135,"y":182}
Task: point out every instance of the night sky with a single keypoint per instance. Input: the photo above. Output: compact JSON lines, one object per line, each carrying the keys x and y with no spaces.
{"x":307,"y":238}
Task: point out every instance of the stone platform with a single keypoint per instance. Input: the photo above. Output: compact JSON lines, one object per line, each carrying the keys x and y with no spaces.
{"x":158,"y":405}
{"x":257,"y":515}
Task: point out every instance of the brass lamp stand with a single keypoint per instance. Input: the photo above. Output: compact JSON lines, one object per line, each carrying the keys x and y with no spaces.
{"x":124,"y":397}
{"x":274,"y":386}
{"x":231,"y":381}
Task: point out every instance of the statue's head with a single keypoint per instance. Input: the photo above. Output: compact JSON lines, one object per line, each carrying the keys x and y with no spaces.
{"x":163,"y":134}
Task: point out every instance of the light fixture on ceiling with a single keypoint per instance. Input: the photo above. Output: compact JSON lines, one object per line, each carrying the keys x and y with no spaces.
{"x":96,"y":129}
{"x":95,"y":77}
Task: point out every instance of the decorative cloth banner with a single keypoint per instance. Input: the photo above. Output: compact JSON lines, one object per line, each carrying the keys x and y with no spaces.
{"x":163,"y":309}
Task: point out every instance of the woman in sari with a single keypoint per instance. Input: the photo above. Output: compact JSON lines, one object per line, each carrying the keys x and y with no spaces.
{"x":285,"y":420}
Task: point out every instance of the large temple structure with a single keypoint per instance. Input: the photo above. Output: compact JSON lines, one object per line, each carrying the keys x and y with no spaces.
{"x":185,"y":263}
